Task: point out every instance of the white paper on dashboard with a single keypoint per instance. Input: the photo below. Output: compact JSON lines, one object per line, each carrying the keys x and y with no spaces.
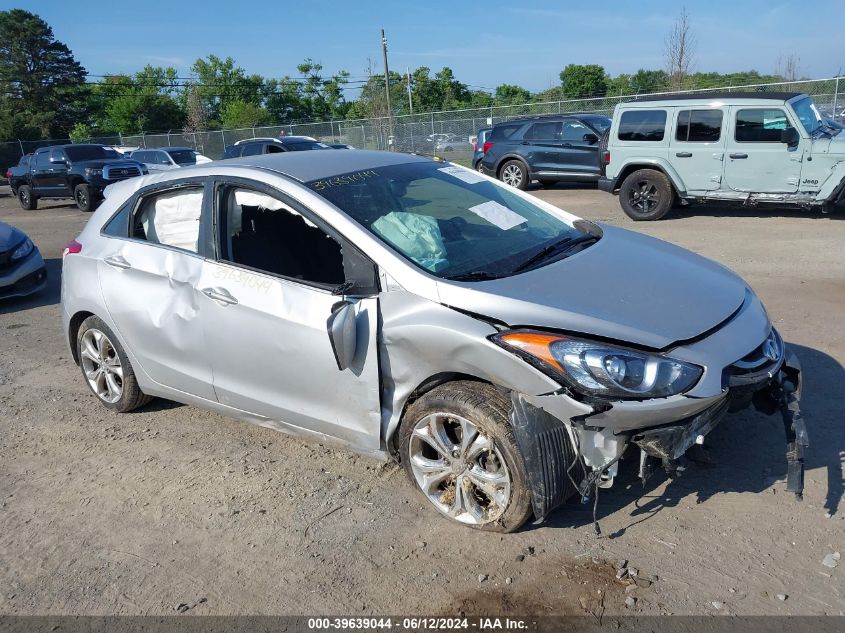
{"x":498,"y":215}
{"x":466,"y":175}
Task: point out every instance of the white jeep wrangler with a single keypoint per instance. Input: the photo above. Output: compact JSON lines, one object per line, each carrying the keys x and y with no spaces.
{"x":750,"y":148}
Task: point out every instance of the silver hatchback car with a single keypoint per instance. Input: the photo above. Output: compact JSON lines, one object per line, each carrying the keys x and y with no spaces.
{"x":506,"y":352}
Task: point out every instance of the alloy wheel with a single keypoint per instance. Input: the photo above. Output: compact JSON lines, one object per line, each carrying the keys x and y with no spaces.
{"x":81,"y":198}
{"x":512,"y":175}
{"x":24,"y":198}
{"x":459,"y":469}
{"x":101,"y":365}
{"x":644,"y":196}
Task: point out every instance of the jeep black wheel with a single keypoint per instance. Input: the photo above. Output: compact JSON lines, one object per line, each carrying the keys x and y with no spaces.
{"x":646,"y":194}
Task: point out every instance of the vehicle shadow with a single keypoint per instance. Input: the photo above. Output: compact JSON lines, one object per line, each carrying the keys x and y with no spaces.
{"x":763,"y":211}
{"x":47,"y":296}
{"x":748,"y":449}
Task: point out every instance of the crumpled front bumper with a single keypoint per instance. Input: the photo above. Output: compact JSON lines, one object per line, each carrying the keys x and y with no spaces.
{"x":542,"y":435}
{"x":24,"y":278}
{"x":778,"y":390}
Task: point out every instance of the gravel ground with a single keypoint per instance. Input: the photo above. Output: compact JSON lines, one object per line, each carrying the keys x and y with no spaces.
{"x":173,"y":509}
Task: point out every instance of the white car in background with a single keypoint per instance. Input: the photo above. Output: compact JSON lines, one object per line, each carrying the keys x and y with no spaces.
{"x":168,"y":158}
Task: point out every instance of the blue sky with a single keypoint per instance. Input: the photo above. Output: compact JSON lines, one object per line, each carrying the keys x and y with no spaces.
{"x":485,"y":43}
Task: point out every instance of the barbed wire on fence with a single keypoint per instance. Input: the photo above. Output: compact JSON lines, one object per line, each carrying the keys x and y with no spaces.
{"x":414,"y":131}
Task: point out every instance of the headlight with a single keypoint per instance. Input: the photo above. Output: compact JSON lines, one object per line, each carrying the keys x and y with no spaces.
{"x":23,"y":250}
{"x":603,"y":370}
{"x":93,"y":171}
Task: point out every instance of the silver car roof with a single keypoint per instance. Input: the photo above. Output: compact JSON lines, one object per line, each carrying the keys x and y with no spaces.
{"x":314,"y":165}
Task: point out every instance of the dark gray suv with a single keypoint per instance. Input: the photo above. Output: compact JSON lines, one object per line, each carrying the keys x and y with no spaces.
{"x":545,"y":148}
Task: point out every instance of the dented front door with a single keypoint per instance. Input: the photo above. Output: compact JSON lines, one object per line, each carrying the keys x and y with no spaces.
{"x":272,"y":355}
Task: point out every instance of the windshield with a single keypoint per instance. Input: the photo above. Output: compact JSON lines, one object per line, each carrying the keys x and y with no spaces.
{"x":447,"y":220}
{"x":306,"y":145}
{"x":600,"y":124}
{"x":808,"y":114}
{"x":183,"y":156}
{"x":90,"y":152}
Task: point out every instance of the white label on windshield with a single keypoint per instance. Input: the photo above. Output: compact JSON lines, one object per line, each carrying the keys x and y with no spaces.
{"x":463,"y":174}
{"x":497,"y":215}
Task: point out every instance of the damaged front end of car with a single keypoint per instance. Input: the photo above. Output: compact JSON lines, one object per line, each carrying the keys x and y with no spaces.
{"x":581,"y":454}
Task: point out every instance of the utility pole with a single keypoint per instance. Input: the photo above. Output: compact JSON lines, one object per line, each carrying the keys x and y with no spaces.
{"x":387,"y":91}
{"x":410,"y":103}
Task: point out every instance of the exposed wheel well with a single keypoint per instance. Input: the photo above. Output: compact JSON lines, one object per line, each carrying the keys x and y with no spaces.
{"x":507,"y":159}
{"x":630,"y":169}
{"x":73,"y":330}
{"x":423,"y":388}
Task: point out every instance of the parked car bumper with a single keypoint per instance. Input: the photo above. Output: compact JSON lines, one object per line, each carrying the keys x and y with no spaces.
{"x":606,"y":184}
{"x":24,"y":278}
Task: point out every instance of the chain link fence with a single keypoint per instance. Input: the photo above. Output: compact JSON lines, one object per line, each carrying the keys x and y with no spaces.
{"x":448,"y":133}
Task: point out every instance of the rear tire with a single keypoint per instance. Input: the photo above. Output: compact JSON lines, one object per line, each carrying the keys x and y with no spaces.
{"x":82,"y":195}
{"x":27,"y":200}
{"x":106,"y":369}
{"x":469,"y":422}
{"x":515,"y":174}
{"x":646,"y":195}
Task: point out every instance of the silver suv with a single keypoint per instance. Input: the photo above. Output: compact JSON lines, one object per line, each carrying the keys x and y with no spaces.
{"x":750,"y":148}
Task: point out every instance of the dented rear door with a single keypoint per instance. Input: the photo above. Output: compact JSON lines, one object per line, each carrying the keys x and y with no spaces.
{"x":149,"y":282}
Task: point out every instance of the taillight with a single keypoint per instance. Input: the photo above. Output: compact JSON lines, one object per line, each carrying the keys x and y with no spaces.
{"x":8,"y":174}
{"x":606,"y":158}
{"x":487,"y":146}
{"x":71,"y":248}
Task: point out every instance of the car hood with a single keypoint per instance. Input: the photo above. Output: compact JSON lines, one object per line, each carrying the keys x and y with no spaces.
{"x":10,"y":236}
{"x":837,"y":143}
{"x":626,"y":287}
{"x":102,"y":162}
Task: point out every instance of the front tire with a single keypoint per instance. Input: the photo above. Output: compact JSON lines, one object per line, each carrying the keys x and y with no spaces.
{"x":459,"y":451}
{"x":515,"y":174}
{"x":82,"y":195}
{"x":27,"y":200}
{"x":106,"y":368}
{"x":646,"y":195}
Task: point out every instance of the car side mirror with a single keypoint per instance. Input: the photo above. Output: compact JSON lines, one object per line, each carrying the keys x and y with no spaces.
{"x":789,"y":136}
{"x":341,"y":330}
{"x":590,"y":138}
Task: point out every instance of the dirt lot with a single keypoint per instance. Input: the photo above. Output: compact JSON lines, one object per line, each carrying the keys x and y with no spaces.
{"x":103,"y":513}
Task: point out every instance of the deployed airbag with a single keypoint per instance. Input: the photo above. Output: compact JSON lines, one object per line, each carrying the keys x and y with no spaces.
{"x":418,"y":236}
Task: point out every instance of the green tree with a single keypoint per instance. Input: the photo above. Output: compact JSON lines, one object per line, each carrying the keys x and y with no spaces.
{"x":219,"y":82}
{"x":583,"y":81}
{"x":41,"y":78}
{"x":509,"y":94}
{"x":644,"y":81}
{"x":80,"y":133}
{"x":322,"y":98}
{"x":238,"y":114}
{"x":145,"y":102}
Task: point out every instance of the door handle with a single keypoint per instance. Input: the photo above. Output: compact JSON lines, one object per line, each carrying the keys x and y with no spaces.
{"x":683,"y":154}
{"x":117,"y":261}
{"x":739,"y":155}
{"x":526,"y":143}
{"x":220,"y":294}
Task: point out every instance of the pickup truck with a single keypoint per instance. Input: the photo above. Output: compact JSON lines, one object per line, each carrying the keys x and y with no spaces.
{"x":80,"y":172}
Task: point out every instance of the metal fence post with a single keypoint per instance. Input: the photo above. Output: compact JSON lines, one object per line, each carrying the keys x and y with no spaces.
{"x":23,"y":153}
{"x":835,"y":98}
{"x":144,"y":139}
